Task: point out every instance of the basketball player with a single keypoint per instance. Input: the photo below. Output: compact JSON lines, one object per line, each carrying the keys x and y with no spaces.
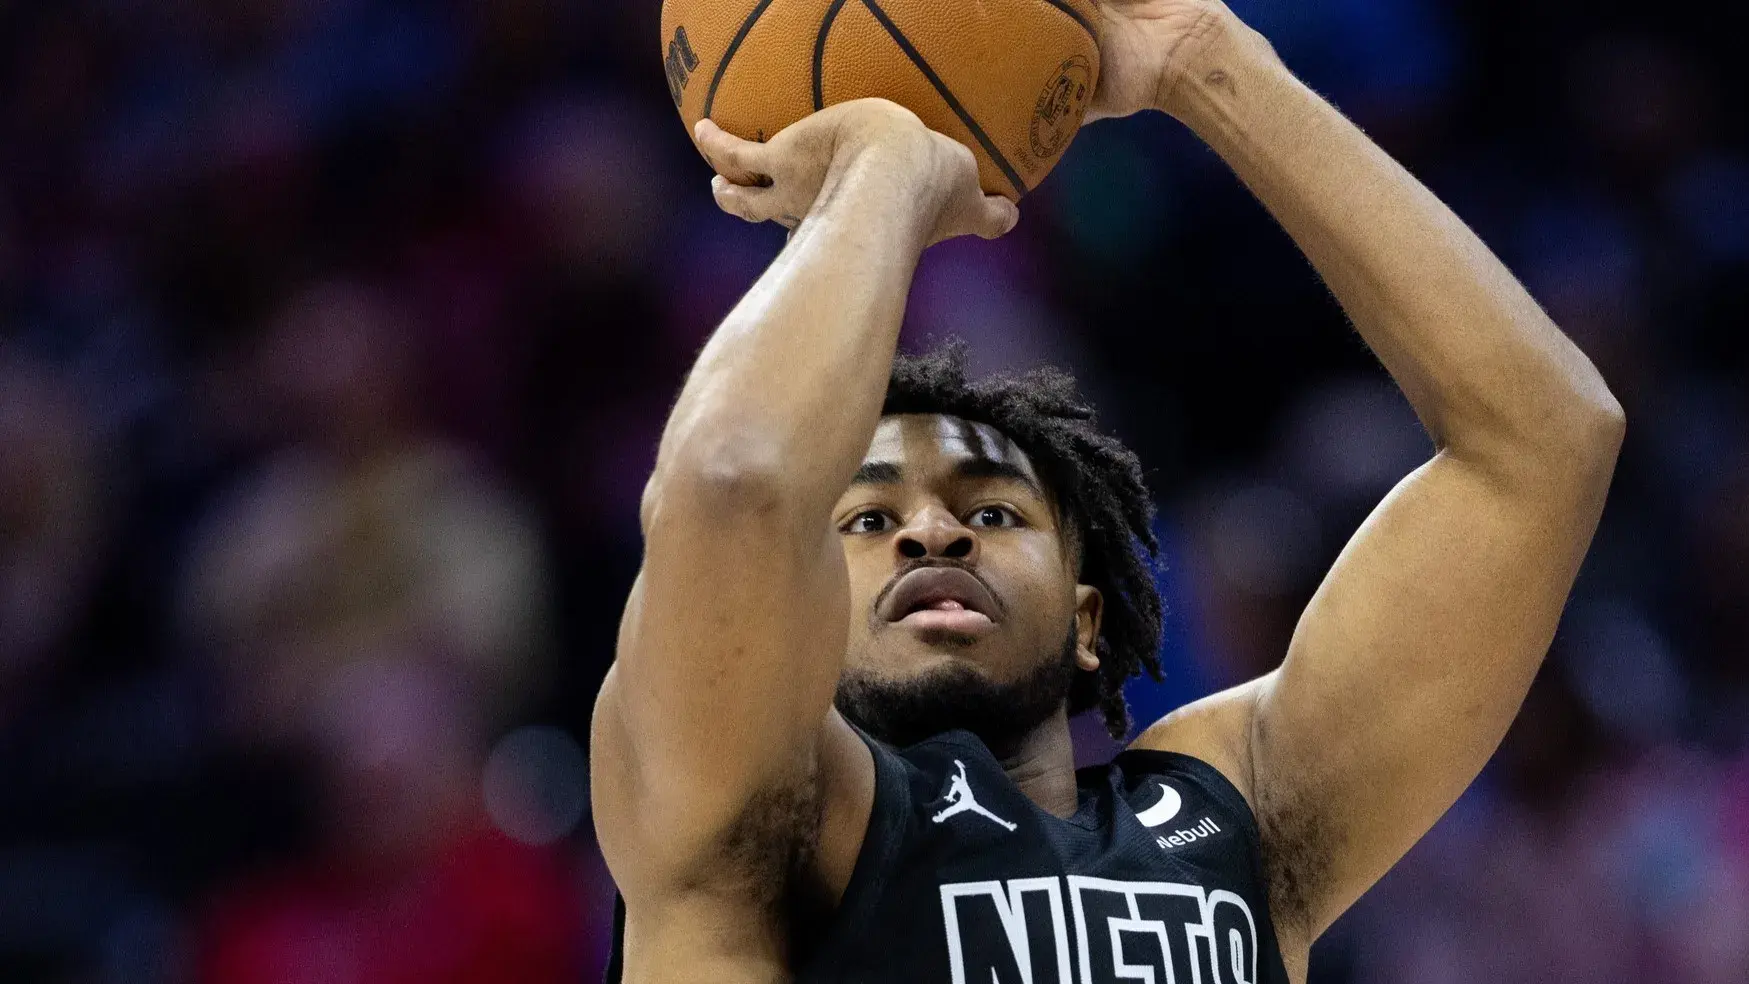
{"x":835,"y":747}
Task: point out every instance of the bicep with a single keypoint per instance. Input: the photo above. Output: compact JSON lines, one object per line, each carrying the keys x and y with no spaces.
{"x":1407,"y":668}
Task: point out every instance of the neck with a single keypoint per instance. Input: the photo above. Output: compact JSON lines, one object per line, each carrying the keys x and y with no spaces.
{"x":1042,"y":764}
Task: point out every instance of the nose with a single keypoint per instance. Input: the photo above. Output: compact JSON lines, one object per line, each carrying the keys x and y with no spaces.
{"x":935,"y":533}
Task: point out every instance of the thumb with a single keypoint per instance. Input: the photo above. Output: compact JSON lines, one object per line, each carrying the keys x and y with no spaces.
{"x":995,"y":217}
{"x":738,"y":160}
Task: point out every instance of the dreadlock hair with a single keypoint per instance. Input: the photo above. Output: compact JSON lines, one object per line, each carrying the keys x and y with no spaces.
{"x":1100,"y":491}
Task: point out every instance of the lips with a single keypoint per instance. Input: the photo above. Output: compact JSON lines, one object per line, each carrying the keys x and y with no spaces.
{"x":943,"y":589}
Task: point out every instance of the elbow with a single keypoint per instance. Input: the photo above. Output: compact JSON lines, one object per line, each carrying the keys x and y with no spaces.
{"x":1609,"y":422}
{"x":1582,"y":438}
{"x":1598,"y":424}
{"x":1567,"y":436}
{"x":723,"y":477}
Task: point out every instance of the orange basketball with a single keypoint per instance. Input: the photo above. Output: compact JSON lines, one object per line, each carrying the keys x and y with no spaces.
{"x":1010,"y":79}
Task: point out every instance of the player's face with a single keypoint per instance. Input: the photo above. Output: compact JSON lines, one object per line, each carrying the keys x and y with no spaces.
{"x":965,"y":604}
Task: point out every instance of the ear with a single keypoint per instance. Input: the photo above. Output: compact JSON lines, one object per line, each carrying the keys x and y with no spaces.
{"x":1089,"y":609}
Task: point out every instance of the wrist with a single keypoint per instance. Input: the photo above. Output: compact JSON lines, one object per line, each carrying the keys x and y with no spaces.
{"x":867,"y":191}
{"x":1203,"y":85}
{"x":890,"y":176}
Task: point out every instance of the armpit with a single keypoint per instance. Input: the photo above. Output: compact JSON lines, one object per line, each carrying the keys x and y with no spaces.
{"x":768,"y":854}
{"x":1298,"y":848}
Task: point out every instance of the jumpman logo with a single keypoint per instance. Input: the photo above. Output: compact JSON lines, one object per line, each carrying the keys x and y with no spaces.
{"x":960,"y":800}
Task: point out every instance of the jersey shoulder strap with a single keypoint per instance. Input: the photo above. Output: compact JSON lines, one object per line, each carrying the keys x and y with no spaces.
{"x":888,"y":820}
{"x":1137,"y":766}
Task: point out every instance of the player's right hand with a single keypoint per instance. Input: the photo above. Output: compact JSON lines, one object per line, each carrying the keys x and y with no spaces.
{"x":865,"y":140}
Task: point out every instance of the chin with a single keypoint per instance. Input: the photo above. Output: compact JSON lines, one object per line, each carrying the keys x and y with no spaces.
{"x":906,"y":697}
{"x":919,"y":656}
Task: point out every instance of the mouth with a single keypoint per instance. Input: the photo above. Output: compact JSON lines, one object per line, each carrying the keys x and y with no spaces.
{"x":944,"y":599}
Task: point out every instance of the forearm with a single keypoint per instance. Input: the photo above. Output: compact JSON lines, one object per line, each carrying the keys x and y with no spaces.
{"x":1489,"y":374}
{"x":786,"y":394}
{"x":767,"y":431}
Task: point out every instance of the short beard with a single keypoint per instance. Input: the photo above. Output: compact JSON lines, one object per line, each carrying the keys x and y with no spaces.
{"x":905,"y":712}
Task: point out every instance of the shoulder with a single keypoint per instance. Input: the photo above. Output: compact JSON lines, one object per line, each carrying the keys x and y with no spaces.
{"x":1220,"y":730}
{"x":1216,"y":730}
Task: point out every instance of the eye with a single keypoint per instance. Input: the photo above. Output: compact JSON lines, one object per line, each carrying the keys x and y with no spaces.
{"x":1000,"y":517}
{"x":868,"y":521}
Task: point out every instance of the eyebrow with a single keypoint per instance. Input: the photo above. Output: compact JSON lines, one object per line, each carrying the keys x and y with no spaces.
{"x":888,"y":473}
{"x":1005,"y":471}
{"x":878,"y":473}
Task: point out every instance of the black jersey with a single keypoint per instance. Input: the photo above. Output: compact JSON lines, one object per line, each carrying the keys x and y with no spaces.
{"x":964,"y":880}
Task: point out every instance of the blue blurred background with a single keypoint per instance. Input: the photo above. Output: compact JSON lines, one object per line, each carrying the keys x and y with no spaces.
{"x":336,"y":336}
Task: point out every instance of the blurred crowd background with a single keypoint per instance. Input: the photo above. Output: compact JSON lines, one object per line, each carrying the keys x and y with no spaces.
{"x":336,"y":336}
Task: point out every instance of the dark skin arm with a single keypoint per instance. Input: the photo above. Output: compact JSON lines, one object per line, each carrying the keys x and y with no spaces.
{"x":1417,"y":651}
{"x":715,"y":750}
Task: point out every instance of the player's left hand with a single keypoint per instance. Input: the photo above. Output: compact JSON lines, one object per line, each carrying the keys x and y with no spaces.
{"x":929,"y":176}
{"x":1147,"y":47}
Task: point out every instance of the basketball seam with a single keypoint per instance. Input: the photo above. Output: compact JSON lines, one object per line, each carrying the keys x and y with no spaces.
{"x":820,"y":52}
{"x":1064,"y":6}
{"x":710,"y":97}
{"x":947,"y":96}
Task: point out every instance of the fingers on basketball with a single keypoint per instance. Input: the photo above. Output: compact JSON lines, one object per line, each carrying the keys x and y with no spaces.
{"x":742,"y":162}
{"x":751,"y":203}
{"x":1009,"y":79}
{"x":999,"y":216}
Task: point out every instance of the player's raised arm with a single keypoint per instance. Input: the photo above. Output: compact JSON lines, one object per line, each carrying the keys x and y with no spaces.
{"x":732,"y":639}
{"x":1416,"y":652}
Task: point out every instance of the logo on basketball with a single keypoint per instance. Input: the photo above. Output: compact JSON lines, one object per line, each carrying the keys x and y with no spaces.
{"x":1057,"y":114}
{"x":680,"y":64}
